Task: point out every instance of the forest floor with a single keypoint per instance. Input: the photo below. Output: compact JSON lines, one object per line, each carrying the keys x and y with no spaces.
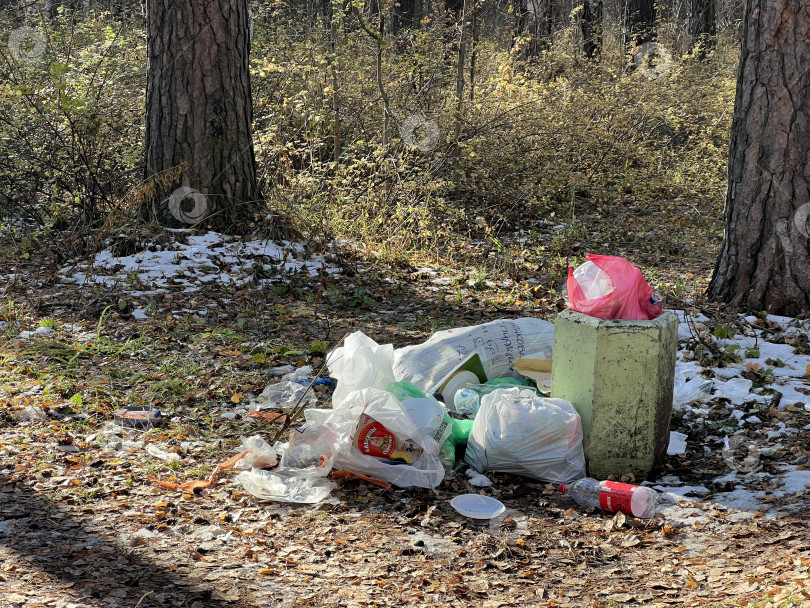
{"x":81,"y":526}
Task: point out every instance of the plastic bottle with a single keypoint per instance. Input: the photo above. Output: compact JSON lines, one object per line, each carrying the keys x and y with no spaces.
{"x":594,"y":282}
{"x":612,"y":496}
{"x":468,"y":399}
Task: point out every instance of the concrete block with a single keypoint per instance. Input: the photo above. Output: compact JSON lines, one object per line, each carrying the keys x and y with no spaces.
{"x":619,"y":376}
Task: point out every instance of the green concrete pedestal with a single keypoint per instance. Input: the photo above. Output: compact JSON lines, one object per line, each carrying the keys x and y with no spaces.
{"x":619,"y":375}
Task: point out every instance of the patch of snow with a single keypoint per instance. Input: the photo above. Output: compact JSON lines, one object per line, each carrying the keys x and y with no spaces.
{"x":673,"y":493}
{"x":205,"y":258}
{"x":727,"y":373}
{"x":741,"y":498}
{"x":731,"y":476}
{"x":736,"y":390}
{"x":677,"y":443}
{"x":790,"y":392}
{"x":794,"y":481}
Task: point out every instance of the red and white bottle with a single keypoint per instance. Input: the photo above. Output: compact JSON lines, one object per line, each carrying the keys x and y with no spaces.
{"x":612,"y":496}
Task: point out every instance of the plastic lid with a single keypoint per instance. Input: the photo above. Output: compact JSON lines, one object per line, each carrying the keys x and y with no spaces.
{"x":456,"y":383}
{"x":561,"y":488}
{"x":427,"y":413}
{"x":477,"y":506}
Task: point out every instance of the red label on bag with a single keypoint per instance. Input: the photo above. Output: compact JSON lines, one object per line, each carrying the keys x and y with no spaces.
{"x":615,"y":496}
{"x":374,"y":439}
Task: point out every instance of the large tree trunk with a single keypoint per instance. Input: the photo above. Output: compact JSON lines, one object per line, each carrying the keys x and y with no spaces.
{"x":199,"y":113}
{"x":640,"y":22}
{"x":403,"y":15}
{"x":764,"y":263}
{"x":591,"y":24}
{"x":542,"y":17}
{"x":703,"y":25}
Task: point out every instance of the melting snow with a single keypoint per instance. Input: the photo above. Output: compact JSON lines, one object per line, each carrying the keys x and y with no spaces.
{"x":204,"y":259}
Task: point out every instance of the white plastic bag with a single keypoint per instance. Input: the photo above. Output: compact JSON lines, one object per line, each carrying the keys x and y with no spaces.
{"x":425,"y":472}
{"x":498,"y":344}
{"x":261,"y":454}
{"x":515,"y":431}
{"x":360,"y":363}
{"x":688,"y":390}
{"x":155,"y":451}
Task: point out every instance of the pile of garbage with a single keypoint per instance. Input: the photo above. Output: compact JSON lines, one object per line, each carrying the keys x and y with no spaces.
{"x":475,"y":396}
{"x":407,"y":417}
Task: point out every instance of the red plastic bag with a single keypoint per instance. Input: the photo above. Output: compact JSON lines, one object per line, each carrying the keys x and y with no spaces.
{"x":632,"y":297}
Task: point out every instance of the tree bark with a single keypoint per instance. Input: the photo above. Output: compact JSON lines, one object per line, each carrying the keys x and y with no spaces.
{"x":591,"y":25}
{"x":403,"y":15}
{"x":640,"y":22}
{"x":764,"y":263}
{"x":199,"y":113}
{"x":703,"y":25}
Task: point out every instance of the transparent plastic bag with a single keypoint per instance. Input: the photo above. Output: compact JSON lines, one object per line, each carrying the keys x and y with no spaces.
{"x":261,"y":454}
{"x":283,"y":394}
{"x":594,"y":282}
{"x":360,"y":363}
{"x":515,"y":431}
{"x":631,"y":297}
{"x":688,"y":390}
{"x":283,"y":486}
{"x":426,"y":471}
{"x":155,"y":451}
{"x":311,"y":450}
{"x":497,"y":343}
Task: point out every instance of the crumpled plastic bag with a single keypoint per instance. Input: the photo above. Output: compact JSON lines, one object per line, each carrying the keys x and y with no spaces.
{"x":426,"y":471}
{"x":632,"y":298}
{"x":515,"y":431}
{"x":261,"y":454}
{"x":497,"y":343}
{"x":311,"y":450}
{"x":688,"y":390}
{"x":360,"y":363}
{"x":284,"y":486}
{"x":286,"y":392}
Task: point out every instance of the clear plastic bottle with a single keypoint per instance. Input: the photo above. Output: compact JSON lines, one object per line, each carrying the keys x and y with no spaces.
{"x":467,"y":400}
{"x":612,"y":496}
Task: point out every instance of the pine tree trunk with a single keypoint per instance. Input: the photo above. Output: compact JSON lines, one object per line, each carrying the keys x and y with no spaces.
{"x":764,"y":263}
{"x":703,"y":25}
{"x":199,"y":114}
{"x":403,"y":15}
{"x":640,"y":22}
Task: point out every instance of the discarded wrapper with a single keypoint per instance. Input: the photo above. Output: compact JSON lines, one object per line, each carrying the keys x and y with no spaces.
{"x":139,"y":417}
